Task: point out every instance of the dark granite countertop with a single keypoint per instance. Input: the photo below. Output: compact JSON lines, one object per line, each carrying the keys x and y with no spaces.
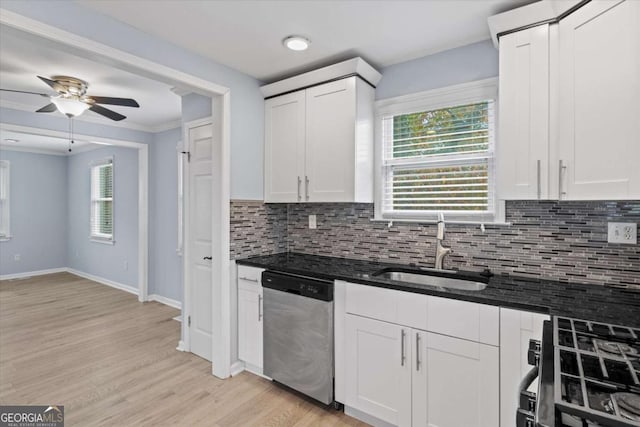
{"x":609,"y":304}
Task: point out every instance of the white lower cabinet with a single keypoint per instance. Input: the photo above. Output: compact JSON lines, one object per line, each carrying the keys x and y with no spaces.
{"x":516,"y":329}
{"x":250,"y":318}
{"x":408,"y":377}
{"x":454,"y":382}
{"x":378,"y":369}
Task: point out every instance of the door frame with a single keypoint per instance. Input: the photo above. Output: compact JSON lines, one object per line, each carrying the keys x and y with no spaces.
{"x":221,"y":104}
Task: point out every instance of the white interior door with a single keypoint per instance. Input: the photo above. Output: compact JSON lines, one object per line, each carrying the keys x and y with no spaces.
{"x":199,"y":240}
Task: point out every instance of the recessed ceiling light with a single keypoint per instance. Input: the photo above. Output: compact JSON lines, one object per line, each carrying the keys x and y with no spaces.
{"x":11,"y":140}
{"x":296,"y":43}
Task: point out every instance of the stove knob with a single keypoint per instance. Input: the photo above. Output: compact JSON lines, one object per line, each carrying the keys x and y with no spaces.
{"x":533,"y":355}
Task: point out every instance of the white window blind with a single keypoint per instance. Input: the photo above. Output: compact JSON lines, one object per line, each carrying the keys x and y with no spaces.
{"x":102,"y":200}
{"x":4,"y":199}
{"x":438,"y":159}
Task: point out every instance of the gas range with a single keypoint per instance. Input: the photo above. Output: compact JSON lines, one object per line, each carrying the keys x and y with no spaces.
{"x":589,"y":375}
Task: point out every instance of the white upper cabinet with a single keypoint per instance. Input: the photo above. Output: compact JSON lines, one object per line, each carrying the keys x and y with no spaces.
{"x":284,"y":147}
{"x":523,"y":146}
{"x":319,"y":144}
{"x":569,"y":127}
{"x":599,"y":92}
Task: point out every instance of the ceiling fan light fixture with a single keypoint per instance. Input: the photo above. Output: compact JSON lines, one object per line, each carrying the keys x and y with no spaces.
{"x":70,"y":107}
{"x":297,"y":43}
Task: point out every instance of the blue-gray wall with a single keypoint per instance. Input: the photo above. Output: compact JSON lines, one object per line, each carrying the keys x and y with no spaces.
{"x":247,"y":104}
{"x":464,"y":64}
{"x":38,"y":218}
{"x":99,"y":259}
{"x":195,"y":107}
{"x":165,"y":265}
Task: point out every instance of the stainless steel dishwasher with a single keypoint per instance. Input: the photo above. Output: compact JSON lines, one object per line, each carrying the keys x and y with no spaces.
{"x":298,"y":333}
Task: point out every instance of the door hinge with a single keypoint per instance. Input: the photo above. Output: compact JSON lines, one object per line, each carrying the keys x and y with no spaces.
{"x":188,"y":153}
{"x":188,"y":320}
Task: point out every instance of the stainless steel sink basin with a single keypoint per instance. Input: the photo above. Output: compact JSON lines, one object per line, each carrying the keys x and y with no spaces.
{"x":442,"y":279}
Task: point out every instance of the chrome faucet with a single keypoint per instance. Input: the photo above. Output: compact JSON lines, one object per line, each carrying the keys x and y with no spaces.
{"x":441,"y":251}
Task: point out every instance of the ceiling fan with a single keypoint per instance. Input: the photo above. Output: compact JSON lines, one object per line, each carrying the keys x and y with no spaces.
{"x":72,"y":99}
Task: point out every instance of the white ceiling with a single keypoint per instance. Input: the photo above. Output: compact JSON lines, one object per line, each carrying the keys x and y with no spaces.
{"x":42,"y":144}
{"x":247,"y":35}
{"x":25,"y":56}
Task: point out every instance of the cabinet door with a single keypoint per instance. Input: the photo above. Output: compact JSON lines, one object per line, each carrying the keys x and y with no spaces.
{"x":516,"y":329}
{"x":378,"y":369}
{"x":284,"y":148}
{"x":599,"y":65}
{"x":523,"y":147}
{"x":250,"y":326}
{"x":330,"y":150}
{"x":455,"y":382}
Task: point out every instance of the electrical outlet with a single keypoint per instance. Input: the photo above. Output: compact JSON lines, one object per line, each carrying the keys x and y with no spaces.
{"x":623,"y":232}
{"x":16,"y":257}
{"x":313,"y":224}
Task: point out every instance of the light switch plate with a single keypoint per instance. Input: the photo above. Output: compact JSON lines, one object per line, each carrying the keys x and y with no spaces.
{"x":313,"y":222}
{"x":623,"y":232}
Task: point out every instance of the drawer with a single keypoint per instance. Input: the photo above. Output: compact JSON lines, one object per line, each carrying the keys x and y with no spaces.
{"x":463,"y":319}
{"x":402,"y":308}
{"x":249,"y":275}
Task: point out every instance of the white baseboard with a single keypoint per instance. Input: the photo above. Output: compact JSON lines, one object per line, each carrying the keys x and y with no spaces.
{"x":236,"y":368}
{"x":181,"y":346}
{"x":104,"y":281}
{"x":32,"y":273}
{"x":166,"y":301}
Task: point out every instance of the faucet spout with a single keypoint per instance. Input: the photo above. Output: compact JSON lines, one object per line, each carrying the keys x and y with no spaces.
{"x":441,"y":250}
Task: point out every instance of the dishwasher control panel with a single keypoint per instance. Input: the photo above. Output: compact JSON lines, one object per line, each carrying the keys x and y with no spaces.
{"x":299,"y":285}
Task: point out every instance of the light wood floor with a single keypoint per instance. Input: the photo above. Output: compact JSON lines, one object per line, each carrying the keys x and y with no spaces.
{"x":112,"y":361}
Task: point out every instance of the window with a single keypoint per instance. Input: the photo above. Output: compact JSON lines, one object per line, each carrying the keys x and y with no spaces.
{"x":102,"y":200}
{"x":4,"y":200}
{"x":436,"y":155}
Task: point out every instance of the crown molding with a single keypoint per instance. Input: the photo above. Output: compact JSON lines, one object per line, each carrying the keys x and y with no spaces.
{"x":96,"y":120}
{"x":23,"y":149}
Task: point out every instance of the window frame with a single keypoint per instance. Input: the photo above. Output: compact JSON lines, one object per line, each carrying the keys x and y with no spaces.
{"x":101,"y":237}
{"x":451,"y":96}
{"x":5,"y":188}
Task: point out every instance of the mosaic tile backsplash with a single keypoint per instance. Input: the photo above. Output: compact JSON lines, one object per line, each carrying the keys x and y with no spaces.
{"x":257,"y":228}
{"x":565,"y":241}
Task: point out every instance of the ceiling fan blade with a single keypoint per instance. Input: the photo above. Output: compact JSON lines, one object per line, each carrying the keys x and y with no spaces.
{"x":125,"y":102}
{"x":53,"y":84}
{"x":24,"y":91}
{"x":107,"y":113}
{"x":49,"y":108}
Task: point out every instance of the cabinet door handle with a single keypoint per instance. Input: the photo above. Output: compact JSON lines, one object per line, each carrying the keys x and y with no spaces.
{"x":259,"y":308}
{"x":538,"y":178}
{"x":248,"y":279}
{"x":306,"y":187}
{"x":417,"y":351}
{"x":402,"y":355}
{"x":299,"y":183}
{"x":561,"y":168}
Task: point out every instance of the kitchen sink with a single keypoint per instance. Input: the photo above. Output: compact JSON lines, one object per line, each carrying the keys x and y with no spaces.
{"x":449,"y":279}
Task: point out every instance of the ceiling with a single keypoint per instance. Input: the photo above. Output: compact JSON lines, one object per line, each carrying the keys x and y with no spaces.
{"x":25,"y":56}
{"x":247,"y":35}
{"x":42,"y":144}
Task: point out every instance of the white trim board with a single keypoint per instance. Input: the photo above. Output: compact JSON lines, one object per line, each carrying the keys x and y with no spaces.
{"x":103,"y":281}
{"x":166,"y":301}
{"x":28,"y":274}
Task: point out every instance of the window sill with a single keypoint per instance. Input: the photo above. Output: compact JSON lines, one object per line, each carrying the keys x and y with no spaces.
{"x":102,"y":241}
{"x":5,"y":238}
{"x":435,"y":221}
